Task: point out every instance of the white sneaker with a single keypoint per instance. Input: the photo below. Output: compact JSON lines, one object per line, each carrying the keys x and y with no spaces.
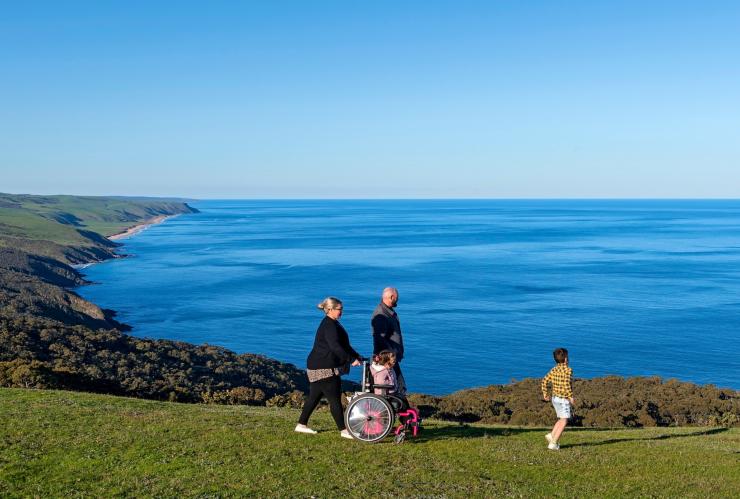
{"x":553,"y":446}
{"x":301,"y":428}
{"x":344,"y":433}
{"x":549,"y":439}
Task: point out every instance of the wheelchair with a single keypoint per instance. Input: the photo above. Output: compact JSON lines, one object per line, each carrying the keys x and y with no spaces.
{"x":370,"y":417}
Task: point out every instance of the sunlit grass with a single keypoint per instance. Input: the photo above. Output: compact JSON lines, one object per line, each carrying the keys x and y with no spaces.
{"x":55,"y":443}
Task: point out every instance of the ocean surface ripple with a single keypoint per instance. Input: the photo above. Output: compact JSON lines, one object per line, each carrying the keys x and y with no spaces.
{"x":487,"y":288}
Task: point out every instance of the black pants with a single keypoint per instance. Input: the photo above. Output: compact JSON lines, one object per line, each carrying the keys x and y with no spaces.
{"x":331,"y":388}
{"x":400,"y":380}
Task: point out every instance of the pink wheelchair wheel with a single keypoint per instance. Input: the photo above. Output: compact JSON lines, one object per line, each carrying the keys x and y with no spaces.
{"x":369,"y":418}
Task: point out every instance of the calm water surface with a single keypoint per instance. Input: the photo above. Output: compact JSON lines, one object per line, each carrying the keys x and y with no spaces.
{"x":487,"y":288}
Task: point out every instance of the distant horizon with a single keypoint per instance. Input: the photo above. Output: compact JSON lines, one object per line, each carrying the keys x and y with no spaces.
{"x":198,"y":198}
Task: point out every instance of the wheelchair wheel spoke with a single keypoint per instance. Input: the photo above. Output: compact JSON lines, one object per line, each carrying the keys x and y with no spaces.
{"x":369,"y":418}
{"x":356,"y":426}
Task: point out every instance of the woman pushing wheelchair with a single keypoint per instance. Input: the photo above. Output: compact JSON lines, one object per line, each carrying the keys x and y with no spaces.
{"x":330,"y":355}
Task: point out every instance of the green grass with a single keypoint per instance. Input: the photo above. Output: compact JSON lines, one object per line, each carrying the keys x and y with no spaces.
{"x":65,"y":444}
{"x":96,"y":213}
{"x":34,"y":217}
{"x":20,"y":223}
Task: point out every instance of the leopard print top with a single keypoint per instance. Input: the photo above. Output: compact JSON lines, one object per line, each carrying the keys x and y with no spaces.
{"x":315,"y":375}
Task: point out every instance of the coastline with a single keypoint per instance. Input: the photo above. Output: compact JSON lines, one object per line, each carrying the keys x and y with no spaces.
{"x":117,"y":238}
{"x":514,"y":400}
{"x":40,"y":271}
{"x":132,"y":231}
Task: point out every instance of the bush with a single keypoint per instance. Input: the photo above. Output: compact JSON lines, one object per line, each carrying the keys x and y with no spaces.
{"x":241,"y":395}
{"x":293,"y":400}
{"x":42,"y":353}
{"x":26,"y":374}
{"x":610,"y":401}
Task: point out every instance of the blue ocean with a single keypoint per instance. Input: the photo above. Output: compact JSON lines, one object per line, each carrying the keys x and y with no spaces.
{"x":488,"y":288}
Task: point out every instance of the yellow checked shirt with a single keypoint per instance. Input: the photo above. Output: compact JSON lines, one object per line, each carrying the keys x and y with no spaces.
{"x":561,"y":377}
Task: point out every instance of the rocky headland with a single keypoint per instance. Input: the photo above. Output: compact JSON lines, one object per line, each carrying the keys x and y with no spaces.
{"x":50,"y":337}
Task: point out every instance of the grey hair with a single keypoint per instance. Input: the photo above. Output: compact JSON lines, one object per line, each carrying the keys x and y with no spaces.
{"x":329,"y":303}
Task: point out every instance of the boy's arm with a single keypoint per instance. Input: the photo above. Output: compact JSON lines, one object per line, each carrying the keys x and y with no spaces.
{"x":570,"y":388}
{"x":543,"y":386}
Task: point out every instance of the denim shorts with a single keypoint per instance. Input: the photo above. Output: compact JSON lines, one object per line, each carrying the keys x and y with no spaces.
{"x":562,"y":407}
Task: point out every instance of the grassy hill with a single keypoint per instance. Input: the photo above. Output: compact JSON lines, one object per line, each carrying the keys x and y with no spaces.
{"x":50,"y":337}
{"x":62,"y":444}
{"x":61,"y":219}
{"x":41,"y":236}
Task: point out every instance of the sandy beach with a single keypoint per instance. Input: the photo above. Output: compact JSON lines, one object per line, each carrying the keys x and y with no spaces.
{"x":138,"y":228}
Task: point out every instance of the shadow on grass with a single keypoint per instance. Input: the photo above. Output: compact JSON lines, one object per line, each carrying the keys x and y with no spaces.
{"x":454,"y":432}
{"x":713,"y":431}
{"x":464,"y":431}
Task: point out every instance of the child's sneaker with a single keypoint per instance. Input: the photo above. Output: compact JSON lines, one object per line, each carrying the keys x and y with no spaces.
{"x":301,"y":428}
{"x":344,"y":433}
{"x":549,"y":439}
{"x":553,"y":446}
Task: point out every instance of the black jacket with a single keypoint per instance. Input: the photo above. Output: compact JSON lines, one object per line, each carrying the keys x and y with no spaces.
{"x":331,"y":347}
{"x":387,"y":331}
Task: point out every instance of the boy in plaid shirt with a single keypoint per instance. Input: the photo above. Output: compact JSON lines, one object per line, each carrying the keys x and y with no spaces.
{"x":561,"y":378}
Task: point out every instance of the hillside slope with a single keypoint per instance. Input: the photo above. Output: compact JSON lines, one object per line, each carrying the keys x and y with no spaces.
{"x":42,"y":236}
{"x":62,"y":444}
{"x":78,"y":219}
{"x":50,"y":337}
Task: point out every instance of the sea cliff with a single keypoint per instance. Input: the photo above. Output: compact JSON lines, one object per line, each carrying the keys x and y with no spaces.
{"x":50,"y":337}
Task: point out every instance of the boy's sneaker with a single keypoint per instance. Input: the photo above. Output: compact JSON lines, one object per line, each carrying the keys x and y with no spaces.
{"x":549,"y":439}
{"x":301,"y":428}
{"x":344,"y":433}
{"x":553,"y":446}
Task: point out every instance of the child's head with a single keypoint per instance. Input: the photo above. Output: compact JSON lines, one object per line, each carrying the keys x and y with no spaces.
{"x":560,"y":355}
{"x":386,"y":358}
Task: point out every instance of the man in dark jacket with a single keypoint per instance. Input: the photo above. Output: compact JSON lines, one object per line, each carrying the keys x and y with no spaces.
{"x":387,"y":332}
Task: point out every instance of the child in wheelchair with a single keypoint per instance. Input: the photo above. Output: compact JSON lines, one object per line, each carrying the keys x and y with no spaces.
{"x":383,"y":373}
{"x":385,"y":382}
{"x":370,"y":414}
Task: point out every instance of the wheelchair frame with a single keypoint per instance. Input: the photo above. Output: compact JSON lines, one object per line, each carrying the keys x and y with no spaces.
{"x":370,"y":417}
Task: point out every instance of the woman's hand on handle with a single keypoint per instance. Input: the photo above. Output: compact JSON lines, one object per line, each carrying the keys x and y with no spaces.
{"x":356,"y":363}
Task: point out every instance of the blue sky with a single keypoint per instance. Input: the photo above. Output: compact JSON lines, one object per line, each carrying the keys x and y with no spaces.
{"x":371,"y":99}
